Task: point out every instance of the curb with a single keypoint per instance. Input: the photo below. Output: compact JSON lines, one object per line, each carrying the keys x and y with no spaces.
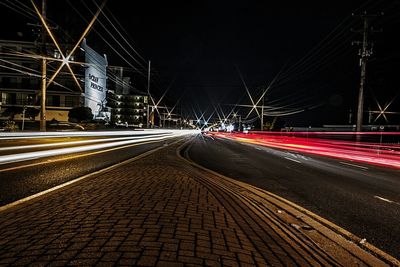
{"x":346,"y":236}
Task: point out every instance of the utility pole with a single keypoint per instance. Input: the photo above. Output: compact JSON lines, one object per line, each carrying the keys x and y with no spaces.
{"x":148,"y":95}
{"x":365,"y":52}
{"x":44,"y":81}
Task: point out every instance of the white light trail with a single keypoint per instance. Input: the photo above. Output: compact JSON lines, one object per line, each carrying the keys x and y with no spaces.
{"x":83,"y":134}
{"x":73,"y":143}
{"x":63,"y":151}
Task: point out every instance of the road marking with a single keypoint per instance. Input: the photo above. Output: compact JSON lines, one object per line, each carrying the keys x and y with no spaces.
{"x":386,"y":200}
{"x":354,"y":165}
{"x":293,"y":160}
{"x":257,"y":148}
{"x":303,"y":157}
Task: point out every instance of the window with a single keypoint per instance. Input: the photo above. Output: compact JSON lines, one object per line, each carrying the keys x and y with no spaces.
{"x":6,"y":82}
{"x":71,"y":101}
{"x":8,"y":98}
{"x":25,"y":83}
{"x":56,"y":101}
{"x":49,"y":100}
{"x":21,"y":99}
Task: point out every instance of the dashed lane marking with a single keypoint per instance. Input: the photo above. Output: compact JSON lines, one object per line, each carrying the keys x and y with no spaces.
{"x":354,"y":165}
{"x":292,"y":159}
{"x":386,"y":200}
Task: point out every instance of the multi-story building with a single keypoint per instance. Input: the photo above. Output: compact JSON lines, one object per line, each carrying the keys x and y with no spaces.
{"x":20,"y":80}
{"x":128,"y":105}
{"x":20,"y":85}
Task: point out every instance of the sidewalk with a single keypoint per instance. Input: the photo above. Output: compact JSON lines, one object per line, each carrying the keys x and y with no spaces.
{"x":161,"y":210}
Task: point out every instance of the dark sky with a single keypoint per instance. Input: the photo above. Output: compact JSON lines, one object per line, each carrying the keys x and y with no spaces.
{"x":199,"y":47}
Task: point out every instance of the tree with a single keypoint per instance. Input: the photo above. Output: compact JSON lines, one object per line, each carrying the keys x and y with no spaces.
{"x":31,"y":112}
{"x":275,"y":125}
{"x":12,"y":111}
{"x":80,"y":114}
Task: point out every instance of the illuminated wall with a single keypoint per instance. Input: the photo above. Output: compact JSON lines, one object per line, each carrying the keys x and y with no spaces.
{"x":95,"y":79}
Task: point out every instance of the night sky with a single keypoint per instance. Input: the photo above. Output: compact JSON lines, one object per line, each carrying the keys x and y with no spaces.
{"x":200,"y":48}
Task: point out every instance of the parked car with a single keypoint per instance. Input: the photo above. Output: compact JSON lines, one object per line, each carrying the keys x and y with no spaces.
{"x":64,"y":126}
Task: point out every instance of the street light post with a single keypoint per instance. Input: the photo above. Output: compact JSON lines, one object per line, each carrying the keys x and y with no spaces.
{"x":262,"y":111}
{"x":148,"y":115}
{"x":240,"y":120}
{"x":148,"y":94}
{"x":23,"y":118}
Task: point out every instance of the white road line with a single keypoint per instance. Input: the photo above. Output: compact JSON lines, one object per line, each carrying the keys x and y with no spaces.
{"x":257,"y":148}
{"x":386,"y":200}
{"x":293,"y":160}
{"x":354,"y":165}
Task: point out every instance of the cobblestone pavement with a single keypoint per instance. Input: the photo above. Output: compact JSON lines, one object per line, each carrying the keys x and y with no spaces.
{"x":161,"y":211}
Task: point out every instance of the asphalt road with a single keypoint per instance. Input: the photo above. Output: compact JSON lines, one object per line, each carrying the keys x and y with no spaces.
{"x":360,"y":198}
{"x":24,"y":177}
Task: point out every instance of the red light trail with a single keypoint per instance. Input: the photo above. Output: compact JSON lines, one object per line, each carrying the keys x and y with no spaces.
{"x":385,"y":155}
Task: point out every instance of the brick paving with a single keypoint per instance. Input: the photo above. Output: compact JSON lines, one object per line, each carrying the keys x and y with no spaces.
{"x":155,"y":211}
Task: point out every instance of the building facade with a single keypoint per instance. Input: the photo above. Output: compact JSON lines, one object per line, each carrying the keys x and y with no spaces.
{"x":96,"y":82}
{"x":128,"y":105}
{"x":107,"y":90}
{"x":20,"y":80}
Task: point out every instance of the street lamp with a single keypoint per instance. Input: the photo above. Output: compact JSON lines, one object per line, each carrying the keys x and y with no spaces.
{"x":240,"y":120}
{"x":23,"y":117}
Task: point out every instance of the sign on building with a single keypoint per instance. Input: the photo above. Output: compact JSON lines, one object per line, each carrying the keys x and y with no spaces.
{"x":95,"y":81}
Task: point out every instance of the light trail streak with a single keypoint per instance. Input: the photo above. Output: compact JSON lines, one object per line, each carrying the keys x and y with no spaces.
{"x":87,"y":134}
{"x":370,"y":153}
{"x":73,"y":143}
{"x":6,"y":159}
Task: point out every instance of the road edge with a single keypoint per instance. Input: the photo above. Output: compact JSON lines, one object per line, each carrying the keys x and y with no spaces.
{"x":331,"y":226}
